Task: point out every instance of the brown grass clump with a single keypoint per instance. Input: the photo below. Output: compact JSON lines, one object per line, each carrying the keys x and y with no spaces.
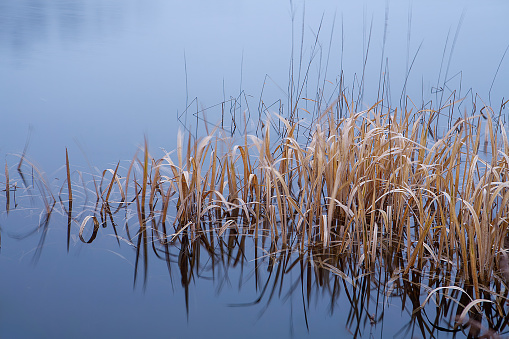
{"x":350,"y":195}
{"x":361,"y":186}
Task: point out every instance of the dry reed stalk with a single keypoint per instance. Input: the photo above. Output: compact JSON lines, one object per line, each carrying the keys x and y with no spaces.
{"x":7,"y":189}
{"x":69,"y":190}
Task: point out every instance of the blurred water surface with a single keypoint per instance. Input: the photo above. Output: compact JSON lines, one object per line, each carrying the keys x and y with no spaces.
{"x":96,"y":76}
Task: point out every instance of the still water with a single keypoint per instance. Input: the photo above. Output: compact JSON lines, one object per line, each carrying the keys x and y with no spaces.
{"x":96,"y":76}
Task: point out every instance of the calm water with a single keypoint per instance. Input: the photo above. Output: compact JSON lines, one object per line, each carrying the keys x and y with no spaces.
{"x":96,"y":76}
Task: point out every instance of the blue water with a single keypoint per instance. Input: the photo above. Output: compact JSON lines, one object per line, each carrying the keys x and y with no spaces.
{"x":96,"y":76}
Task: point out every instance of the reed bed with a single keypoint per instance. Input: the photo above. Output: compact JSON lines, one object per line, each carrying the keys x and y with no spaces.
{"x":358,"y":186}
{"x":375,"y":193}
{"x":380,"y":190}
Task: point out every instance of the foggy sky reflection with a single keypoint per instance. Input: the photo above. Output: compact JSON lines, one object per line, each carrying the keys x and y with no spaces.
{"x":25,"y":25}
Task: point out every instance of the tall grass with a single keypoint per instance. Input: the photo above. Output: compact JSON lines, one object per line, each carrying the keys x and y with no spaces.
{"x":358,"y":186}
{"x":378,"y":188}
{"x":381,"y":189}
{"x":353,"y":194}
{"x":374,"y":191}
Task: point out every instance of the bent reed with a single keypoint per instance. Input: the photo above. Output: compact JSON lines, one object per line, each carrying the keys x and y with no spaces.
{"x":373,"y":193}
{"x":361,"y":186}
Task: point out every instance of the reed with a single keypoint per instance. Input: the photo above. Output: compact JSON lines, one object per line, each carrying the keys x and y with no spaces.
{"x":373,"y":181}
{"x":357,"y":185}
{"x":7,"y":189}
{"x":372,"y":193}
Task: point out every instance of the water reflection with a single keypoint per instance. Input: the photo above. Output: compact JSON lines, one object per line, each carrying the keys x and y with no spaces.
{"x":23,"y":24}
{"x":70,"y":19}
{"x":433,"y":297}
{"x":26,"y":25}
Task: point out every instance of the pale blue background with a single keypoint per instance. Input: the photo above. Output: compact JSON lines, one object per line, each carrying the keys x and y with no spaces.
{"x":103,"y":73}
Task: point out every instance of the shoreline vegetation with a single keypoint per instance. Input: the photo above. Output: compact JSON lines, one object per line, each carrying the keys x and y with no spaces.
{"x":374,"y":195}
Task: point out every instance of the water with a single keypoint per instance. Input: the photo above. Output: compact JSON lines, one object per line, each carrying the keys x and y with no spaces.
{"x":97,"y":76}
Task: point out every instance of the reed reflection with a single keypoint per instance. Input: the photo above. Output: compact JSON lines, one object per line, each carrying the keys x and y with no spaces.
{"x":328,"y":277}
{"x":370,"y":207}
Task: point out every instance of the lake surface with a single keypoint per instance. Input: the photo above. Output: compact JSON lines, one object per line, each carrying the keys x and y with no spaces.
{"x":95,"y":77}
